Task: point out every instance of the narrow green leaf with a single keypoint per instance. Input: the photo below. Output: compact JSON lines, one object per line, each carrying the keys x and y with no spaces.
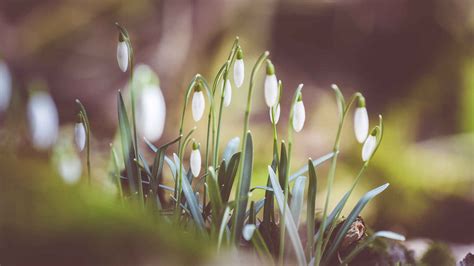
{"x":261,"y":247}
{"x":312,"y":189}
{"x":296,"y":204}
{"x":245,"y":186}
{"x":257,"y":207}
{"x":252,"y":214}
{"x":290,"y":223}
{"x":231,"y":172}
{"x":172,"y":167}
{"x":282,"y":166}
{"x":192,"y":203}
{"x":231,"y":149}
{"x":268,"y":210}
{"x":127,"y":145}
{"x":215,"y":197}
{"x":352,"y":216}
{"x":225,"y":220}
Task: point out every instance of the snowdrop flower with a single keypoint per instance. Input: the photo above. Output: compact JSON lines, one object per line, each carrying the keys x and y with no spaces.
{"x":80,"y":136}
{"x":151,"y":112}
{"x":227,"y":93}
{"x":198,"y":104}
{"x":369,"y":145}
{"x":70,"y":168}
{"x":299,"y":114}
{"x":271,"y":86}
{"x":5,"y":86}
{"x":43,"y":120}
{"x":248,"y":231}
{"x":239,"y":69}
{"x":276,"y":111}
{"x":361,"y":121}
{"x":195,"y":160}
{"x":122,"y":53}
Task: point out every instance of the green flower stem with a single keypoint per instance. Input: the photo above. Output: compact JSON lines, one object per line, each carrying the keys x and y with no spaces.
{"x":85,"y":120}
{"x":115,"y":161}
{"x":230,"y":61}
{"x":256,"y":67}
{"x":285,"y":189}
{"x":332,"y":172}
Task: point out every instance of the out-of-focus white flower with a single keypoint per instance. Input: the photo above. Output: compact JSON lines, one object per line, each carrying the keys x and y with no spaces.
{"x":43,"y":120}
{"x":299,"y":115}
{"x":122,"y":55}
{"x":239,"y":69}
{"x":70,"y":168}
{"x":195,"y":160}
{"x":248,"y":231}
{"x":227,"y":93}
{"x":5,"y":86}
{"x":198,"y":104}
{"x":361,"y":121}
{"x":276,"y":111}
{"x":369,"y":146}
{"x":80,"y":135}
{"x":151,"y":112}
{"x":271,"y":86}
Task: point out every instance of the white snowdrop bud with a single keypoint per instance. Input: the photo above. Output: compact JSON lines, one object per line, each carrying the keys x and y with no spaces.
{"x":70,"y":168}
{"x":271,"y":86}
{"x":299,"y":115}
{"x":227,"y":93}
{"x":5,"y":86}
{"x":369,"y":145}
{"x":195,"y":160}
{"x":276,"y":112}
{"x":80,"y":136}
{"x":198,"y":104}
{"x":43,"y":120}
{"x":122,"y":53}
{"x":151,"y":112}
{"x":248,"y":231}
{"x":361,"y":121}
{"x":239,"y":69}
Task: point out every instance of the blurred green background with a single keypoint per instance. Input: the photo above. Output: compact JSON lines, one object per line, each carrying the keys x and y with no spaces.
{"x":413,"y":61}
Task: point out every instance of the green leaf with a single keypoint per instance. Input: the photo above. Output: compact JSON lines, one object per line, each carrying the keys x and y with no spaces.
{"x":316,"y":162}
{"x":257,"y":207}
{"x":290,"y":223}
{"x":193,"y":204}
{"x":215,"y":197}
{"x":296,"y":204}
{"x":172,"y":167}
{"x":245,"y":186}
{"x":312,"y":189}
{"x":282,"y":166}
{"x":230,"y":173}
{"x":231,"y":149}
{"x":360,"y":247}
{"x":268,"y":210}
{"x":261,"y":247}
{"x":127,"y":145}
{"x":225,"y":220}
{"x":352,"y":216}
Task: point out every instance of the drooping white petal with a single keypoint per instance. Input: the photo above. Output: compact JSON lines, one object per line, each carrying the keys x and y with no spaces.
{"x":43,"y":120}
{"x":369,"y":147}
{"x":227,"y":93}
{"x":276,"y":113}
{"x":239,"y":72}
{"x":70,"y":168}
{"x":5,"y":86}
{"x":361,"y":124}
{"x":151,"y":112}
{"x":271,"y":90}
{"x":198,"y":105}
{"x":299,"y":116}
{"x":195,"y":162}
{"x":248,"y":231}
{"x":122,"y":56}
{"x":80,"y":136}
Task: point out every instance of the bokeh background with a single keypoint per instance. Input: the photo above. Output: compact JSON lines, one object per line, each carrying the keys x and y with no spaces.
{"x":413,"y":61}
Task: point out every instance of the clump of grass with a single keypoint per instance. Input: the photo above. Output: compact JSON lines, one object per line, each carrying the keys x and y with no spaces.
{"x":201,"y":201}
